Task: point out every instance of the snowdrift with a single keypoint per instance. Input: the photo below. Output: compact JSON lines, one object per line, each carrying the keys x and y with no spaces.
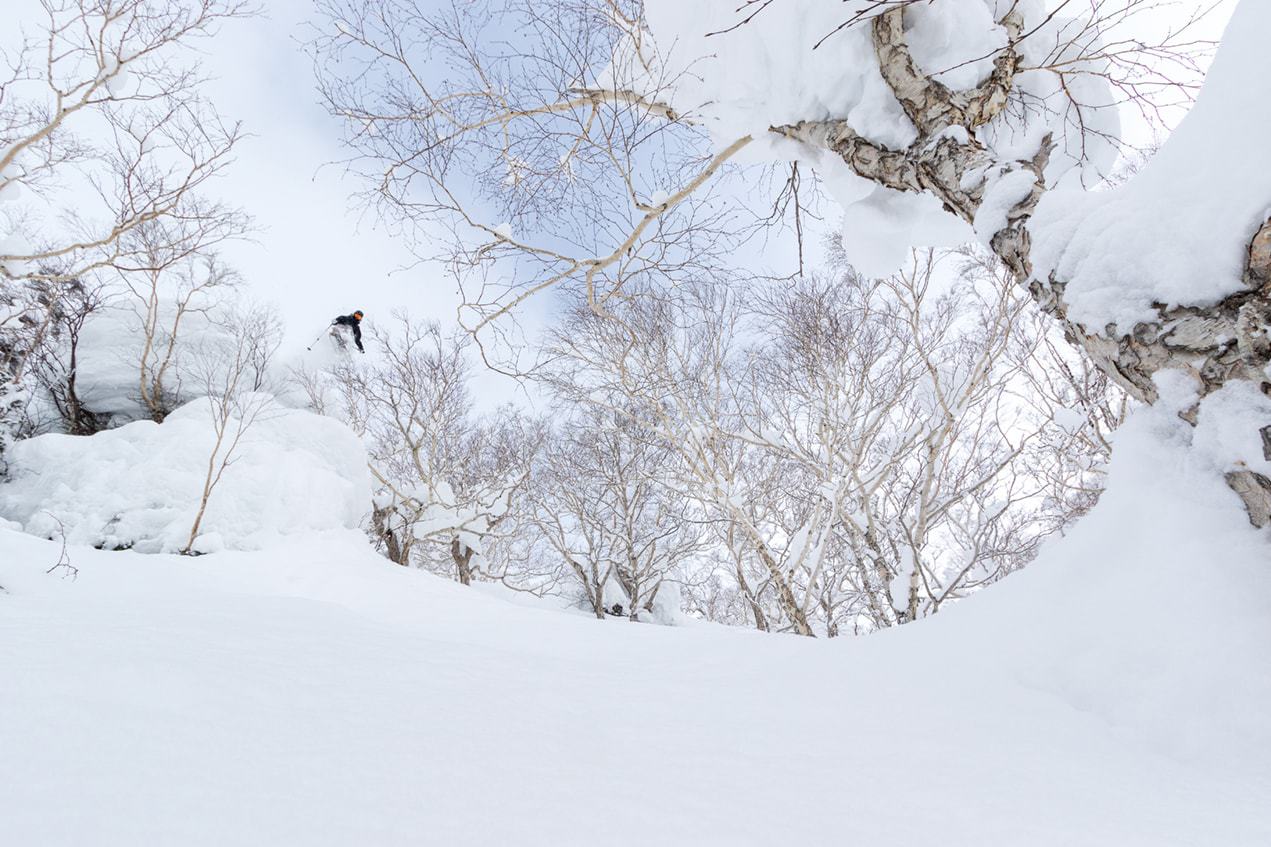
{"x":1112,"y":694}
{"x":139,"y":486}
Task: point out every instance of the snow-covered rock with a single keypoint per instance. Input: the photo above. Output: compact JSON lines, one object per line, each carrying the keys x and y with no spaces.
{"x":139,"y":486}
{"x":111,"y":346}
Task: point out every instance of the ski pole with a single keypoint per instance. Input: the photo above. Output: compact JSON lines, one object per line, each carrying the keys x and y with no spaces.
{"x":316,"y":340}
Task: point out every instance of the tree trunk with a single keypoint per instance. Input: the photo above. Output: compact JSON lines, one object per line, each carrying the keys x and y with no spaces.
{"x":761,"y":620}
{"x":397,"y":552}
{"x":462,"y":554}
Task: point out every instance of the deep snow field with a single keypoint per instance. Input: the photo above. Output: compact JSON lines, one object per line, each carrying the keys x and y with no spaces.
{"x":311,"y":693}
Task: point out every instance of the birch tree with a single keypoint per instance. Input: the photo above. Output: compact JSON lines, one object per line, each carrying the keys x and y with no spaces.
{"x":171,"y":297}
{"x":857,"y":444}
{"x":230,"y":381}
{"x":640,"y":110}
{"x":605,"y":509}
{"x":104,"y":131}
{"x":448,"y":478}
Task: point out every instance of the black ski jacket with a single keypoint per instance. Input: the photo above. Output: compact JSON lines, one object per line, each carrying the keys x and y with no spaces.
{"x":351,"y":322}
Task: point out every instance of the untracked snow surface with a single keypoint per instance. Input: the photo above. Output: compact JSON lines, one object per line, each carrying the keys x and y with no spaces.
{"x":1115,"y":693}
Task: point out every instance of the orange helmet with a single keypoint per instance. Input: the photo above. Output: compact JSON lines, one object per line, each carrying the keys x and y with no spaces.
{"x":358,"y":314}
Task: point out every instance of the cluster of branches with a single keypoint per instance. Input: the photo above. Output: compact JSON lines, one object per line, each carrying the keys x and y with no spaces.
{"x":541,"y":139}
{"x":858,"y":448}
{"x":545,"y":139}
{"x":509,"y":126}
{"x":830,"y":456}
{"x":447,"y":476}
{"x":105,"y":144}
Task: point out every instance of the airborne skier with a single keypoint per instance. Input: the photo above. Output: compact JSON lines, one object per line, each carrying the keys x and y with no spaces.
{"x":353,"y":322}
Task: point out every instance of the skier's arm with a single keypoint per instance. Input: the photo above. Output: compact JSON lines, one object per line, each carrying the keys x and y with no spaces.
{"x":357,"y":337}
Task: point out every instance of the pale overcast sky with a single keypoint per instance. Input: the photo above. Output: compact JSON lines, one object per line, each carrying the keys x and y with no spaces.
{"x":317,"y":255}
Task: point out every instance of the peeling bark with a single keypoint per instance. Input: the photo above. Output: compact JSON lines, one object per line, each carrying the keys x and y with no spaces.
{"x":397,"y":552}
{"x":1255,"y":490}
{"x":462,"y":556}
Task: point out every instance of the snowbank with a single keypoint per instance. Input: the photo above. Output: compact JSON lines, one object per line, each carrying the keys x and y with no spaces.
{"x":1150,"y":616}
{"x":139,"y":486}
{"x":1112,"y":695}
{"x":1178,"y":232}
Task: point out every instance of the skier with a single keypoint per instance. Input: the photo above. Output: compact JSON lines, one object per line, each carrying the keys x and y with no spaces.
{"x":352,"y":321}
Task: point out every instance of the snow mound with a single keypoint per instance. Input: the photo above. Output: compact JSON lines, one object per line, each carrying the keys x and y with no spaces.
{"x":1178,"y":232}
{"x":1150,"y":615}
{"x":107,"y":370}
{"x":139,"y":486}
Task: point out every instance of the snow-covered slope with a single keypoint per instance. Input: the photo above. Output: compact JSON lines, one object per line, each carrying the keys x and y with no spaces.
{"x":313,"y":694}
